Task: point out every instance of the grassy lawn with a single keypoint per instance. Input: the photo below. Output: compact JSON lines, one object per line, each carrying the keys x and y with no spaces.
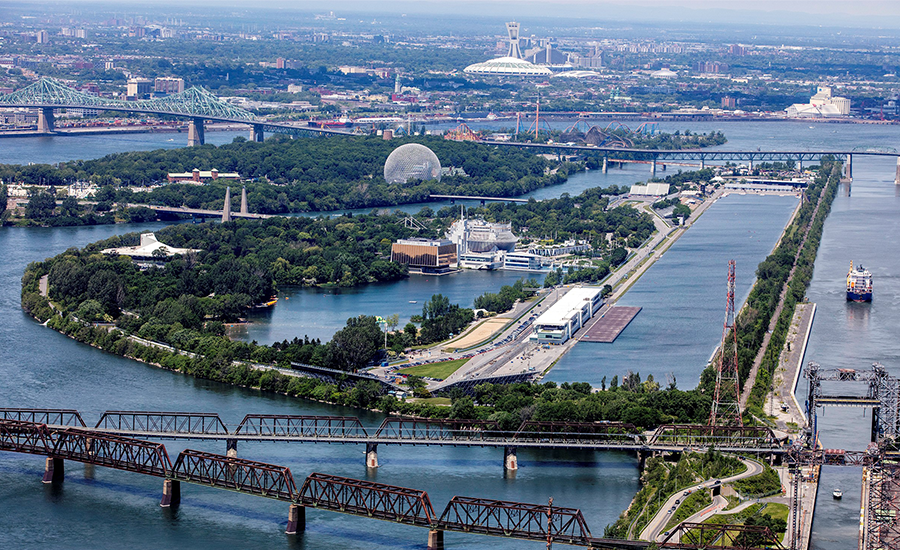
{"x":438,"y":401}
{"x":435,"y":370}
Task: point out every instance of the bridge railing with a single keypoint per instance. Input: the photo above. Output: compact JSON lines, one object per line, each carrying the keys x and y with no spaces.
{"x":515,"y":519}
{"x":689,"y":435}
{"x":235,"y":474}
{"x":578,"y":432}
{"x":277,"y":425}
{"x":439,"y":429}
{"x":163,"y":422}
{"x":53,"y":417}
{"x":711,"y":536}
{"x":122,"y":453}
{"x":367,"y":498}
{"x":20,"y":436}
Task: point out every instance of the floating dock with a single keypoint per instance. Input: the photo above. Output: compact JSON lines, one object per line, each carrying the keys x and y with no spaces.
{"x":608,"y":327}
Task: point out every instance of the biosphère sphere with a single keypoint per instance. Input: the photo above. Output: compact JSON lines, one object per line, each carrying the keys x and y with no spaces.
{"x":412,"y":162}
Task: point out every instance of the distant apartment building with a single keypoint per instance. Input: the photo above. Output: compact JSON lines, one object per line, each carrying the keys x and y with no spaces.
{"x":737,"y":49}
{"x":425,"y":255}
{"x":729,"y":102}
{"x":168,"y":85}
{"x":711,"y":67}
{"x":42,"y":37}
{"x":138,"y":88}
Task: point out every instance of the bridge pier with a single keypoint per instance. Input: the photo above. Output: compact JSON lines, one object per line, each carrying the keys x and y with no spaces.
{"x":196,"y":135}
{"x":751,"y":164}
{"x":605,"y":164}
{"x":435,"y":539}
{"x":46,"y":121}
{"x":897,"y":176}
{"x":245,"y":209}
{"x":371,"y":455}
{"x":171,"y":496}
{"x":256,"y":133}
{"x":296,"y":519}
{"x":510,"y":461}
{"x":226,"y":209}
{"x":800,"y":164}
{"x":848,"y":169}
{"x":702,"y":163}
{"x":54,"y":470}
{"x":653,"y":168}
{"x":231,"y":448}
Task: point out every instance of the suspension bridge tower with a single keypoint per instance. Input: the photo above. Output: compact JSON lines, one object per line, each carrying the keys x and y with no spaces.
{"x":726,"y":407}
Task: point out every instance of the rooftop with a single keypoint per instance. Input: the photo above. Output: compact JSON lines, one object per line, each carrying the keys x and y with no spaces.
{"x":562,"y":311}
{"x":510,"y":66}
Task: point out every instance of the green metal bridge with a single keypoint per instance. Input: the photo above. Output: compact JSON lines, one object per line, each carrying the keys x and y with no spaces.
{"x":196,"y":104}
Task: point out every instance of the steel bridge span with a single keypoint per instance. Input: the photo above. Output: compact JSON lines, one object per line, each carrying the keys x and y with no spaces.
{"x":196,"y":104}
{"x":598,"y":436}
{"x":363,"y":498}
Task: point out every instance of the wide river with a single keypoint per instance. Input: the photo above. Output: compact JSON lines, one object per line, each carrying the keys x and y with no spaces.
{"x":682,"y":296}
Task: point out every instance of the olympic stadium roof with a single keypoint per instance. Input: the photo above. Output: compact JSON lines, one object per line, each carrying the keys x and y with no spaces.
{"x":508,"y":66}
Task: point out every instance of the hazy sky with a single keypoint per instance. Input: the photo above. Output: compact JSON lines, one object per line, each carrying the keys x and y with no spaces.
{"x":872,"y":14}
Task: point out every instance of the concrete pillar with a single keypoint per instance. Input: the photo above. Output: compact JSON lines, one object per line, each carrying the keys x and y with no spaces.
{"x":245,"y":209}
{"x":195,"y":132}
{"x":702,"y":163}
{"x":642,"y":460}
{"x":435,"y":539}
{"x":296,"y":519}
{"x":256,"y":133}
{"x":653,"y":168}
{"x":848,"y":170}
{"x":510,"y":461}
{"x":226,"y":208}
{"x":231,"y":448}
{"x":800,"y":164}
{"x":371,"y":455}
{"x":46,"y":121}
{"x":171,"y":496}
{"x":751,"y":164}
{"x":605,"y":164}
{"x":54,"y":470}
{"x":897,"y":176}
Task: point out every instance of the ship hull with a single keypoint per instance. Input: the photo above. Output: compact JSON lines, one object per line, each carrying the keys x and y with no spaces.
{"x":859,"y":296}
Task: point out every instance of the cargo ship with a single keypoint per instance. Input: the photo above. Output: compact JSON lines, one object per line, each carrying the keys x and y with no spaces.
{"x":859,"y":284}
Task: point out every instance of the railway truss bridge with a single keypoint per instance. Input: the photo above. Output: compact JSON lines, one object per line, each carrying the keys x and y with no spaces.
{"x":600,"y":436}
{"x":65,"y":440}
{"x":195,"y":104}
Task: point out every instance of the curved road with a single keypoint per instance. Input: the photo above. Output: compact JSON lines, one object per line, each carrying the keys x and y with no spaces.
{"x":662,"y":517}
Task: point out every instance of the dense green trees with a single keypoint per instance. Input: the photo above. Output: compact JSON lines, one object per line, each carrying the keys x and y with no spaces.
{"x":440,"y":319}
{"x":309,"y":174}
{"x":504,"y":300}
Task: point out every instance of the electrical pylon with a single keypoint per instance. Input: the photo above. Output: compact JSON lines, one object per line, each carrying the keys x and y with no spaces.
{"x":726,"y":407}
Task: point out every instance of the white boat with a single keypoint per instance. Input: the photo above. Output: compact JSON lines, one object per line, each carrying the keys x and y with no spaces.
{"x":837,"y":494}
{"x":413,"y":302}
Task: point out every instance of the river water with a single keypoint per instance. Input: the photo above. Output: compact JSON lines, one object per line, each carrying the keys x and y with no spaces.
{"x":107,"y":509}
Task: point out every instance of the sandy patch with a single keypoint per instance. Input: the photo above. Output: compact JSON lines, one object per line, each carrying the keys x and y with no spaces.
{"x":479,"y":334}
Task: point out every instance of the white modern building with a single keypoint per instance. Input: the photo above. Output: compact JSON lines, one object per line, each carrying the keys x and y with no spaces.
{"x":651,"y":189}
{"x":150,"y":248}
{"x":566,"y":316}
{"x":822,"y":104}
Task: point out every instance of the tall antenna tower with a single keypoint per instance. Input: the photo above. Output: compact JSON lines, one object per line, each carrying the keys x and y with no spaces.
{"x":726,"y":407}
{"x":512,"y":28}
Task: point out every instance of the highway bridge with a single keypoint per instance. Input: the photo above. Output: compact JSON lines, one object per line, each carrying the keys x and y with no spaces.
{"x":195,"y":104}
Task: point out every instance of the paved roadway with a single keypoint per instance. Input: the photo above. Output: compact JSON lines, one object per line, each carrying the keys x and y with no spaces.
{"x":655,"y":527}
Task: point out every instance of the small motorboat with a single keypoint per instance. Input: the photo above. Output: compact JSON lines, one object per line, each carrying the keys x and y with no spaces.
{"x":413,"y":302}
{"x":837,"y":494}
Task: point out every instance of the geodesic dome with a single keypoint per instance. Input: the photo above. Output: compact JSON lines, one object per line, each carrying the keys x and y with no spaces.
{"x":412,"y":162}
